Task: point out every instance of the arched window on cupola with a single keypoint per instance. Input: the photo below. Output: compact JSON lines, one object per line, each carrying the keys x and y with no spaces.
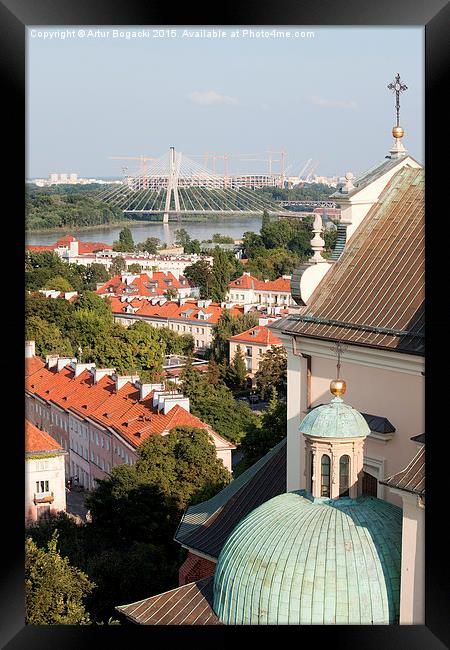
{"x":344,"y":473}
{"x":325,"y":476}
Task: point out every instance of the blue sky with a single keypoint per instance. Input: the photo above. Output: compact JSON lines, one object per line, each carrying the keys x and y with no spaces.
{"x":323,"y":98}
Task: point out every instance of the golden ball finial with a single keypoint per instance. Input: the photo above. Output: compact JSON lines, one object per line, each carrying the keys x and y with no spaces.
{"x":398,"y":132}
{"x":338,"y":387}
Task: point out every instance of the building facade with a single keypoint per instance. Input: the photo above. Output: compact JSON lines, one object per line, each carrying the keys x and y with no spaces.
{"x":254,"y":343}
{"x":45,"y":478}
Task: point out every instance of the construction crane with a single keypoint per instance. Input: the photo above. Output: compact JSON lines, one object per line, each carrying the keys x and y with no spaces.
{"x":143,"y":159}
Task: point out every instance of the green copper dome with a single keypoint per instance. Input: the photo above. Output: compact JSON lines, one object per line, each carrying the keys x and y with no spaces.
{"x":334,"y":420}
{"x":302,"y":561}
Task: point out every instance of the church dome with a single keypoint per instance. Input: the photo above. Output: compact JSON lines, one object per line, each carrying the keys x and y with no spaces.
{"x":334,"y":420}
{"x":296,"y":560}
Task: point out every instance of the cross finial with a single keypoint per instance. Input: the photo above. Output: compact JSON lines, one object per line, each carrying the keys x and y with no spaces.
{"x":398,"y":87}
{"x":338,"y":348}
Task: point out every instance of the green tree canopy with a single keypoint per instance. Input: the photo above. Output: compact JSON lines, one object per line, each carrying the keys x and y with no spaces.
{"x":236,"y":374}
{"x":227,"y":326}
{"x":268,"y":432}
{"x":118,"y":265}
{"x":135,"y":268}
{"x":150,"y":245}
{"x":58,"y":283}
{"x":91,"y":301}
{"x":48,"y":337}
{"x":272,"y":371}
{"x":200,"y":275}
{"x":125,"y":243}
{"x":54,"y":589}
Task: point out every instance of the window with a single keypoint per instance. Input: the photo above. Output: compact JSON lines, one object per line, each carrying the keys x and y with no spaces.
{"x":96,"y":438}
{"x":344,"y":467}
{"x":102,"y":440}
{"x":41,"y":486}
{"x":311,"y":472}
{"x":325,"y":476}
{"x":43,"y":512}
{"x":248,"y":351}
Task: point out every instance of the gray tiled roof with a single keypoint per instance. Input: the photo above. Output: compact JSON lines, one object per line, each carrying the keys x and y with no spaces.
{"x":374,"y":294}
{"x":206,"y":526}
{"x":190,"y":604}
{"x":412,"y":478}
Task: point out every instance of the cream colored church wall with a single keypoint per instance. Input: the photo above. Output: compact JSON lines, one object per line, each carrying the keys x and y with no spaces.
{"x":398,"y":396}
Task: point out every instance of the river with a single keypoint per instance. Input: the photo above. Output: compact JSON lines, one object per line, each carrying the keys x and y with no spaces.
{"x":200,"y":230}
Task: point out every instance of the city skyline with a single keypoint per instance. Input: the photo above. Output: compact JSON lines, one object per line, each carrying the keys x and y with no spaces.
{"x":324,"y":98}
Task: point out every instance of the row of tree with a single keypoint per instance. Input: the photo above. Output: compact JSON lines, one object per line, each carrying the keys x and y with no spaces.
{"x":67,"y":207}
{"x":77,"y":574}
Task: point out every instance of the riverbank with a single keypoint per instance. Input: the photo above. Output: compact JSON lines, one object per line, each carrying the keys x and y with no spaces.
{"x":138,"y":222}
{"x":201,"y":229}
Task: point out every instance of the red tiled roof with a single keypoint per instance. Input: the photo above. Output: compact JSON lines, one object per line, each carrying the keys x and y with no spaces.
{"x":83,"y":247}
{"x":172,"y":310}
{"x":146,"y":284}
{"x":259,"y":334}
{"x":37,"y":440}
{"x":32,"y":365}
{"x":134,"y":419}
{"x":250,"y":282}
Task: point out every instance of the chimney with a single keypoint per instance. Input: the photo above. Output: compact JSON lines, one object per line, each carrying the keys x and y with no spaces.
{"x":146,"y":389}
{"x":171,"y":401}
{"x":51,"y":360}
{"x":30,"y":349}
{"x":80,"y":367}
{"x":62,"y":362}
{"x":99,"y":373}
{"x":121,"y":380}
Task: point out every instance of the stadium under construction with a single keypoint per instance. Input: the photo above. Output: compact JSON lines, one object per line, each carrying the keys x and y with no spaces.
{"x":175,"y":185}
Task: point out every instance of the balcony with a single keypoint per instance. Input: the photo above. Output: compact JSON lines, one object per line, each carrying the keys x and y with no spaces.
{"x":43,"y":497}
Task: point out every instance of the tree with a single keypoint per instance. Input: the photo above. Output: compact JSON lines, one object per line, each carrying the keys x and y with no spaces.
{"x":118,"y":265}
{"x":94,"y":274}
{"x":48,"y":337}
{"x":236,"y":375}
{"x":265,"y":219}
{"x":218,"y":238}
{"x":199,"y":275}
{"x":182,"y":237}
{"x":221,"y":275}
{"x":54,"y":589}
{"x":184,"y":465}
{"x":193,"y":247}
{"x":213,"y":373}
{"x":227,"y":326}
{"x":92,"y":302}
{"x":216,"y":406}
{"x":150,"y":245}
{"x":171,"y":293}
{"x":58,"y":283}
{"x":135,"y":268}
{"x":271,"y":430}
{"x":272,"y":371}
{"x":125,"y":243}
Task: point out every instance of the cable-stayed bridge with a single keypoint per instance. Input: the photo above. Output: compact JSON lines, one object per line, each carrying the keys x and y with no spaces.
{"x":175,"y":185}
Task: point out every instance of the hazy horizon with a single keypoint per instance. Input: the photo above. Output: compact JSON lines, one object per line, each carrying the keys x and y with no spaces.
{"x":324,"y":98}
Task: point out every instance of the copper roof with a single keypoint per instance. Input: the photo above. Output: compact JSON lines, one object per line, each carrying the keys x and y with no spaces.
{"x":190,"y":604}
{"x":374,"y":295}
{"x":206,"y":526}
{"x":412,"y":478}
